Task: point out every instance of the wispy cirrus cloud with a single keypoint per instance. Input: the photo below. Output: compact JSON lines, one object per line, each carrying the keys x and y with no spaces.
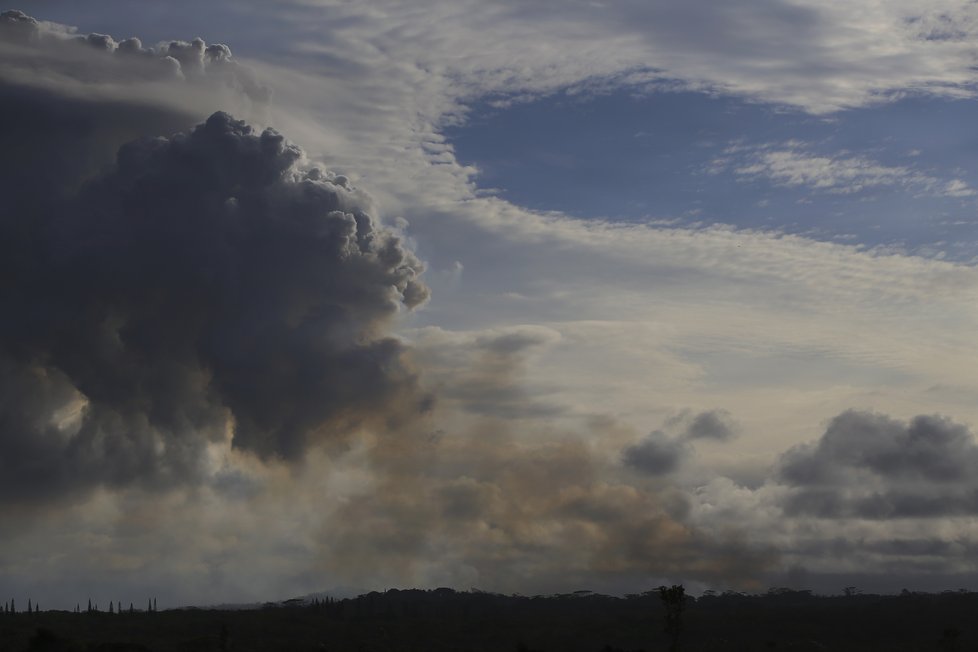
{"x":794,"y":164}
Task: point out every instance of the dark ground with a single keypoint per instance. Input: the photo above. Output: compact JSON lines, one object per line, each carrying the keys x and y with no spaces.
{"x":446,"y":620}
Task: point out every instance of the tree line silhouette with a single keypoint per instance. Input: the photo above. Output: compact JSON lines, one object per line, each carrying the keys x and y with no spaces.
{"x":10,"y":607}
{"x":665,"y":618}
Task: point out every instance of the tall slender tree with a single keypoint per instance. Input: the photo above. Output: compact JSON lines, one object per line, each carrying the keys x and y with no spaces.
{"x":674,"y":600}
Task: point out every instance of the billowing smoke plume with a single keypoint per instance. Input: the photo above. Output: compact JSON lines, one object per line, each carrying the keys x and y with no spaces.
{"x":205,"y":283}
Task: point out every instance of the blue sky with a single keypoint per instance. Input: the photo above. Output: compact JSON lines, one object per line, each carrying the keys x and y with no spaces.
{"x":680,"y":157}
{"x":633,"y":218}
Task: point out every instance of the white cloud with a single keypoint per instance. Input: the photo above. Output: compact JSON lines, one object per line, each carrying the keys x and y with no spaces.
{"x":818,"y":55}
{"x":958,"y":188}
{"x":839,"y":175}
{"x":792,"y":164}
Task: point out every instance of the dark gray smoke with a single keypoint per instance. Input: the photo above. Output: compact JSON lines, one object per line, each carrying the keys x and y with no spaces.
{"x":203,"y":281}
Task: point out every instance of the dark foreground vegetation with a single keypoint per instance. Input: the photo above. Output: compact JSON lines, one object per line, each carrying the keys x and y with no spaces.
{"x":664,"y":619}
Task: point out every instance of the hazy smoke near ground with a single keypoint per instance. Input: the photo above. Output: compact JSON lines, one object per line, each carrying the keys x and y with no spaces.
{"x":501,"y":505}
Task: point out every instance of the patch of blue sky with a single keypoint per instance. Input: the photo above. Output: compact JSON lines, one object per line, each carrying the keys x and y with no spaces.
{"x":900,"y":174}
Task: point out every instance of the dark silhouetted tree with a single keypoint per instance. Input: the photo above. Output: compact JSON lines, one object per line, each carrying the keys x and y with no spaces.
{"x":111,"y":607}
{"x":131,"y":610}
{"x":674,"y":600}
{"x":89,"y":605}
{"x":30,"y":608}
{"x":225,"y":640}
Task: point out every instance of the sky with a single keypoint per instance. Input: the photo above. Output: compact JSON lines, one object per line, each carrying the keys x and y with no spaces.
{"x":530,"y":297}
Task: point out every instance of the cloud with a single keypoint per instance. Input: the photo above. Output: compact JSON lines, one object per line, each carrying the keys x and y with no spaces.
{"x":618,"y":314}
{"x":820,"y":56}
{"x":192,"y":307}
{"x":77,"y":98}
{"x":792,"y":164}
{"x":205,"y":283}
{"x":656,"y":454}
{"x":872,"y":466}
{"x":191,"y":303}
{"x":958,"y":188}
{"x":853,"y":504}
{"x":49,"y":55}
{"x":253,"y":293}
{"x":717,"y":425}
{"x":18,"y":26}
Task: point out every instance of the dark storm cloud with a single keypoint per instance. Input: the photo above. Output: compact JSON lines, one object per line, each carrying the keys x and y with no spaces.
{"x":656,"y":454}
{"x":872,"y":466}
{"x":204,"y":278}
